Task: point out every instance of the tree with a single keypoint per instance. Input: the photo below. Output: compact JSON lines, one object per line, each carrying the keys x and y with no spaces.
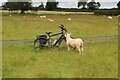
{"x":118,"y":5}
{"x":82,"y":3}
{"x":93,"y":5}
{"x":98,"y":4}
{"x":41,"y":6}
{"x":18,"y":5}
{"x":51,"y":4}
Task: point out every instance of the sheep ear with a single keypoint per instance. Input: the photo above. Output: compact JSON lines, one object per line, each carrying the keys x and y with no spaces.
{"x":70,"y":33}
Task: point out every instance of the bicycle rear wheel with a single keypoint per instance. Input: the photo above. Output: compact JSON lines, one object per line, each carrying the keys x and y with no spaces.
{"x":36,"y":43}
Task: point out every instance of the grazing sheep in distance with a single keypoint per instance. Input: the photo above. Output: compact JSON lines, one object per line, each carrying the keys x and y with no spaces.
{"x":74,"y":43}
{"x":44,"y":16}
{"x":118,"y":16}
{"x":41,"y":16}
{"x":109,"y":17}
{"x":23,"y":16}
{"x":104,"y":16}
{"x":10,"y":15}
{"x":50,"y":20}
{"x":69,"y":19}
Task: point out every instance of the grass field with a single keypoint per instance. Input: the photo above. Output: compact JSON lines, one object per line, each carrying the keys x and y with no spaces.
{"x":100,"y":60}
{"x":18,"y":27}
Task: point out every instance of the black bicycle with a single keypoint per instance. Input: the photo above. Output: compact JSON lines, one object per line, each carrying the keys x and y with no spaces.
{"x":44,"y":39}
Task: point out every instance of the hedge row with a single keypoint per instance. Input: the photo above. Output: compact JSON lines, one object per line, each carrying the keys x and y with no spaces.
{"x":72,"y":10}
{"x":107,"y":12}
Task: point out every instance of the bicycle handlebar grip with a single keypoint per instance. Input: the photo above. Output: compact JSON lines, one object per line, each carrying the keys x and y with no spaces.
{"x":62,"y":27}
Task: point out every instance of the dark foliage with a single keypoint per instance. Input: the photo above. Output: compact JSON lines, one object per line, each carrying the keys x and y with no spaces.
{"x":82,"y":3}
{"x":107,"y":12}
{"x":51,"y":4}
{"x":23,"y":6}
{"x":118,"y":5}
{"x":93,"y":5}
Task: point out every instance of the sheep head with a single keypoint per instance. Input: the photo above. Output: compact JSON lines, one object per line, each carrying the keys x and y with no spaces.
{"x":67,"y":35}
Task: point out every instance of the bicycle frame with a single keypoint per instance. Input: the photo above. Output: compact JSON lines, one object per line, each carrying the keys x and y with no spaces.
{"x":42,"y":39}
{"x":59,"y":39}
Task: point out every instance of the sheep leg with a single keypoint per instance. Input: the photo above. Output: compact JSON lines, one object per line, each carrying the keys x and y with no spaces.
{"x":81,"y":48}
{"x":74,"y":48}
{"x":79,"y":51}
{"x":68,"y":48}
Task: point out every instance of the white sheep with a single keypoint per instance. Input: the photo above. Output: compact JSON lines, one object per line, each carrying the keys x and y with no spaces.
{"x":69,"y":19}
{"x":50,"y":20}
{"x":41,"y":16}
{"x":23,"y":16}
{"x":118,"y":16}
{"x":74,"y":43}
{"x":44,"y":16}
{"x":10,"y":15}
{"x":104,"y":16}
{"x":109,"y":17}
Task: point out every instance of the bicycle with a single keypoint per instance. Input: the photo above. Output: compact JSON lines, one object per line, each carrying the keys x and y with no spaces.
{"x":42,"y":39}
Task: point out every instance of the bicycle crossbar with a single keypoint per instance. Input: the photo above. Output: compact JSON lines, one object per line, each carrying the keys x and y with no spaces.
{"x":55,"y":34}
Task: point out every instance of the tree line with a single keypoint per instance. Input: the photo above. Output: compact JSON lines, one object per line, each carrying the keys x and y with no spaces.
{"x":50,"y":5}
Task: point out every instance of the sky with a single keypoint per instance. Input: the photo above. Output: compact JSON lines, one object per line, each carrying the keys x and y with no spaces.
{"x":73,"y":3}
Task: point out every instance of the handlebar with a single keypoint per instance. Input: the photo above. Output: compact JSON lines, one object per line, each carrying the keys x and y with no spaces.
{"x":62,"y":27}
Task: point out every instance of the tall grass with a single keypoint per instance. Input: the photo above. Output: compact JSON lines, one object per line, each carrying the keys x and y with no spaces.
{"x":18,"y":27}
{"x":0,"y":46}
{"x":100,"y":60}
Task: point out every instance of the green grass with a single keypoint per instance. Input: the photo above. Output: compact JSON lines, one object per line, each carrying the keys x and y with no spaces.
{"x":100,"y":60}
{"x":0,"y":59}
{"x":16,"y":27}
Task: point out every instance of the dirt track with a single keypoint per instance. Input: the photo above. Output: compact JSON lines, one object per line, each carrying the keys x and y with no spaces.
{"x":90,"y":39}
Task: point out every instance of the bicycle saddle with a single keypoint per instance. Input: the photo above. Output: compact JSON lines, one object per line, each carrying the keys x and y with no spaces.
{"x":48,"y":33}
